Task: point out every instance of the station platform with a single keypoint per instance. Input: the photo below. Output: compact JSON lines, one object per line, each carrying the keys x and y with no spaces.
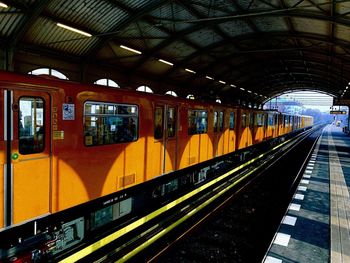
{"x":316,"y":225}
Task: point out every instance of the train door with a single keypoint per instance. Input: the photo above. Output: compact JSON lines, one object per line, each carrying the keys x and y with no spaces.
{"x":218,"y":133}
{"x":27,"y":174}
{"x":166,"y":136}
{"x":232,"y":134}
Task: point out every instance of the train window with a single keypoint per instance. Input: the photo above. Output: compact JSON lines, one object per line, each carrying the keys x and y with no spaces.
{"x":251,"y":120}
{"x":271,"y":120}
{"x":171,"y":122}
{"x":158,"y":123}
{"x":108,"y":123}
{"x":197,"y":121}
{"x":221,"y":121}
{"x":286,"y":120}
{"x":259,"y":120}
{"x":244,"y":120}
{"x":31,"y":125}
{"x":218,"y":121}
{"x":215,"y":121}
{"x":232,"y":120}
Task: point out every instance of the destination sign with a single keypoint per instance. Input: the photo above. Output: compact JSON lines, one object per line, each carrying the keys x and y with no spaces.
{"x":338,"y":112}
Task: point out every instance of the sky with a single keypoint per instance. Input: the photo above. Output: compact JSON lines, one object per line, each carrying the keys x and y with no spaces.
{"x":310,"y":99}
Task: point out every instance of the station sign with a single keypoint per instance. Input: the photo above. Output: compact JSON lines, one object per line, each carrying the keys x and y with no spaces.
{"x":337,"y":112}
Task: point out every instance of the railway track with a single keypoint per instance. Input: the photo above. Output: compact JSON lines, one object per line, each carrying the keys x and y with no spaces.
{"x":243,"y":229}
{"x":154,"y":240}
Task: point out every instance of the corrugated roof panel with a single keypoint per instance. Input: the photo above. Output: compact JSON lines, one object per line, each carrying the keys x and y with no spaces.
{"x":204,"y":37}
{"x":9,"y":20}
{"x":178,"y":50}
{"x":200,"y":62}
{"x":342,"y":32}
{"x":236,"y":28}
{"x":45,"y":32}
{"x":343,"y":9}
{"x":137,"y":4}
{"x":259,"y":5}
{"x":270,"y":24}
{"x":148,"y":35}
{"x":98,"y":16}
{"x":214,"y":9}
{"x":310,"y":25}
{"x":174,"y":17}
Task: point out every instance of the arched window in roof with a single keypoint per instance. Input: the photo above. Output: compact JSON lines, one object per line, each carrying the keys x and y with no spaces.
{"x":170,"y":92}
{"x":218,"y":101}
{"x":190,"y":97}
{"x":107,"y":82}
{"x":48,"y":72}
{"x":144,"y":89}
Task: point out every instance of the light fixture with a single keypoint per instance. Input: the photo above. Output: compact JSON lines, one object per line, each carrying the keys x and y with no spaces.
{"x":131,"y":49}
{"x":209,"y":77}
{"x":249,"y":91}
{"x":222,"y":82}
{"x":255,"y":93}
{"x":190,"y":70}
{"x":347,"y":87}
{"x":166,"y":62}
{"x":241,"y":88}
{"x":233,"y":86}
{"x":3,"y":5}
{"x":74,"y":30}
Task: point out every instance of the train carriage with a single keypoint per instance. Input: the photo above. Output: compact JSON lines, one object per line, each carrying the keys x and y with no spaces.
{"x":63,"y":144}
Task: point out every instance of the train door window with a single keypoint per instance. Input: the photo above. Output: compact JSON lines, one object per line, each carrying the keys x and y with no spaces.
{"x":215,"y":121}
{"x":251,"y":120}
{"x":158,"y":123}
{"x":108,"y":123}
{"x":259,"y":121}
{"x":171,"y":122}
{"x":197,"y":122}
{"x":232,"y":120}
{"x":270,"y":120}
{"x":244,"y":120}
{"x":221,"y":121}
{"x":31,"y":125}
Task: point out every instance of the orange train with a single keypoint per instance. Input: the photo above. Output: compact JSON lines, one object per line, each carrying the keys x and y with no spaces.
{"x":64,"y":144}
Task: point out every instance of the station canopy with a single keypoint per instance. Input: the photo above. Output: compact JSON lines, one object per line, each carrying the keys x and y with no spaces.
{"x":247,"y":49}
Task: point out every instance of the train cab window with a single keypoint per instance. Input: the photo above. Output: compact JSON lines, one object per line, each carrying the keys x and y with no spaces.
{"x":197,"y":122}
{"x":158,"y":123}
{"x":171,"y":122}
{"x":108,"y":123}
{"x":232,"y":120}
{"x":31,"y":125}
